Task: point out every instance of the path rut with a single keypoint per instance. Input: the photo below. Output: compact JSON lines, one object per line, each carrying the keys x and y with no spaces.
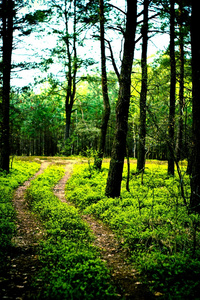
{"x":125,"y":277}
{"x":24,"y":260}
{"x":23,"y":257}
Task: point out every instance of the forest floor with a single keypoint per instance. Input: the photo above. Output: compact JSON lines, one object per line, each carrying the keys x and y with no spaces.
{"x":24,"y":261}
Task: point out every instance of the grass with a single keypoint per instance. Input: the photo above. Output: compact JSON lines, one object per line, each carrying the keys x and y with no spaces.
{"x":152,"y":222}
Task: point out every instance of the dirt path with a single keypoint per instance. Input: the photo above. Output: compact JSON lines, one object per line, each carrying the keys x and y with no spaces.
{"x":124,"y":275}
{"x":23,"y":258}
{"x":59,"y":189}
{"x":24,"y":261}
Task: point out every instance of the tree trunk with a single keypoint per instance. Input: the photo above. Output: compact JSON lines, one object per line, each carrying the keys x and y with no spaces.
{"x":106,"y":114}
{"x":68,"y":112}
{"x":7,"y":34}
{"x":72,"y":70}
{"x":179,"y":146}
{"x":143,"y":95}
{"x":195,"y":177}
{"x":171,"y":149}
{"x":128,"y":169}
{"x":119,"y":145}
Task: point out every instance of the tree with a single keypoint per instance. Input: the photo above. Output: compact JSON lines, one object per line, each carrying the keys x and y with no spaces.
{"x":7,"y":15}
{"x":72,"y":64}
{"x":73,"y":14}
{"x":143,"y":94}
{"x":36,"y":122}
{"x":179,"y":144}
{"x":106,"y":114}
{"x":113,"y":186}
{"x":171,"y":149}
{"x":195,"y":177}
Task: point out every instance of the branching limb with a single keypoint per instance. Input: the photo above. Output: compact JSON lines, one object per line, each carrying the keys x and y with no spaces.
{"x":113,"y":59}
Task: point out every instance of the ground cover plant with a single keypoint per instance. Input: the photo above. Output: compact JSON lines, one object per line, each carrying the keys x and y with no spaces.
{"x":71,"y":267}
{"x":152,"y":221}
{"x":20,"y":172}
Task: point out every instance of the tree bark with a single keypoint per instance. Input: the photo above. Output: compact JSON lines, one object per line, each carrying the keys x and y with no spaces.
{"x":179,"y":146}
{"x":106,"y":114}
{"x":143,"y":94}
{"x":113,"y":186}
{"x":71,"y":72}
{"x":171,"y":150}
{"x":7,"y":36}
{"x":195,"y":177}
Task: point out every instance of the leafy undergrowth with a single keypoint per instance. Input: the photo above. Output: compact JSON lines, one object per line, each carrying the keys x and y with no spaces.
{"x":20,"y":172}
{"x":152,"y":222}
{"x":71,"y":267}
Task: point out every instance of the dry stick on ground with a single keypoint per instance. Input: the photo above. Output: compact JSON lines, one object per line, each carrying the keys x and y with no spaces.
{"x":23,"y":259}
{"x":125,"y":277}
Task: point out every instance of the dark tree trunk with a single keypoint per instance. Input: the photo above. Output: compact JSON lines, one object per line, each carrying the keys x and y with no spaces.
{"x":119,"y":145}
{"x":128,"y":169}
{"x":179,"y":146}
{"x":106,"y":114}
{"x":143,"y":95}
{"x":72,"y":71}
{"x":68,"y":112}
{"x":171,"y":150}
{"x":7,"y":35}
{"x":195,"y":177}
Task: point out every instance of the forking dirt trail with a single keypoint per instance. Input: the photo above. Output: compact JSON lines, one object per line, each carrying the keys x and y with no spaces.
{"x":125,"y":277}
{"x":24,"y":260}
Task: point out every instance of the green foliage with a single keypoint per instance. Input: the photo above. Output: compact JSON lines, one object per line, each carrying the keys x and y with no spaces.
{"x":71,"y":268}
{"x":86,"y":186}
{"x":175,"y":276}
{"x":38,"y":118}
{"x":37,"y":17}
{"x":158,"y":105}
{"x":20,"y":172}
{"x":151,"y":221}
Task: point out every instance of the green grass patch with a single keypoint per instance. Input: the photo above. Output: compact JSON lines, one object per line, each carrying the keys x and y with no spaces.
{"x":71,"y":267}
{"x":152,"y":222}
{"x":20,"y":172}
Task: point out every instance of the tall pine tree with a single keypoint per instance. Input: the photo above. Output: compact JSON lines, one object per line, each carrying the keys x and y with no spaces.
{"x":106,"y":113}
{"x":7,"y":15}
{"x":195,"y":176}
{"x":113,"y":186}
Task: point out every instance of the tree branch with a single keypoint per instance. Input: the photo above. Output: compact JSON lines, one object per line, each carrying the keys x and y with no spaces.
{"x":117,"y":8}
{"x":152,"y":17}
{"x":112,"y":59}
{"x":118,"y":28}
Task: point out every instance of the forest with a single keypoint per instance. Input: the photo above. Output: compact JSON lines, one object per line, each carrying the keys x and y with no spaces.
{"x":99,"y":149}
